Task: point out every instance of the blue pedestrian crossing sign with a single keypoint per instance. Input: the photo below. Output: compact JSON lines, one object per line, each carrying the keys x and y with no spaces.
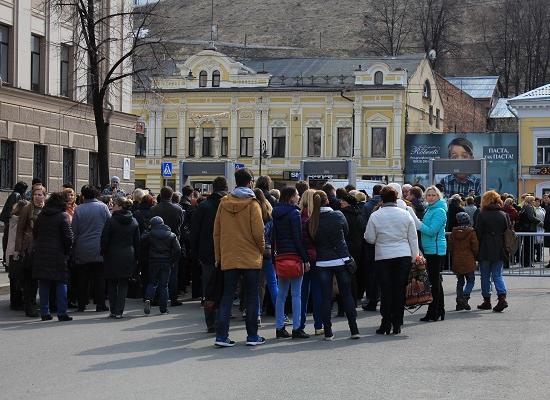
{"x":166,"y":169}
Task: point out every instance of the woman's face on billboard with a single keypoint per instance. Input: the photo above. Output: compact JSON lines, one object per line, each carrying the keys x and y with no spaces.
{"x":459,"y":153}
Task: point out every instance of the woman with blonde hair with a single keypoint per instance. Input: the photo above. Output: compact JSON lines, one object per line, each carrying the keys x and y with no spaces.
{"x":491,"y":225}
{"x":70,"y":198}
{"x":23,"y":245}
{"x":310,"y":283}
{"x":434,"y":244}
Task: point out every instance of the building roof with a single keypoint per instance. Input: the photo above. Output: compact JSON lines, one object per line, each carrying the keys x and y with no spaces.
{"x":479,"y":87}
{"x":321,"y":68}
{"x":539,"y":93}
{"x":501,"y":109}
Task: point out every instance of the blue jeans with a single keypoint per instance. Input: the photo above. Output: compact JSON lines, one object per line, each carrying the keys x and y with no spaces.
{"x":311,"y":283}
{"x":44,"y":291}
{"x":343,"y":277}
{"x":271,"y":281}
{"x":491,"y":269}
{"x":464,"y":291}
{"x":250,"y":281}
{"x":296,"y":289}
{"x":159,"y":275}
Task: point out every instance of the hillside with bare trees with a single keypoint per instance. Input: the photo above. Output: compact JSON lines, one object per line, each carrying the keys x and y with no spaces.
{"x":510,"y":38}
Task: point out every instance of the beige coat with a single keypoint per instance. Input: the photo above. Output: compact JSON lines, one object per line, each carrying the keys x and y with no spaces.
{"x":239,"y":233}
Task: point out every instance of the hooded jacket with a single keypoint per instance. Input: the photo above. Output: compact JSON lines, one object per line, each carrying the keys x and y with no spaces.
{"x":239,"y":231}
{"x":433,"y":228}
{"x":119,"y":245}
{"x":163,"y":244}
{"x":287,"y":231}
{"x":52,"y":240}
{"x":464,"y":247}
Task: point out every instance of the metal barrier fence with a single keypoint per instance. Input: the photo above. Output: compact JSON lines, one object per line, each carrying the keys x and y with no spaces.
{"x":531,"y":259}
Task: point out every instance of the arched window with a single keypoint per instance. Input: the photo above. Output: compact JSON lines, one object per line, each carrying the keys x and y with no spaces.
{"x":216,"y":78}
{"x":378,"y":78}
{"x":427,"y":92}
{"x":203,"y":77}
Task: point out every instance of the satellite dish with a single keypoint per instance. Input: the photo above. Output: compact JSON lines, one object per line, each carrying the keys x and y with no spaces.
{"x":432,"y":54}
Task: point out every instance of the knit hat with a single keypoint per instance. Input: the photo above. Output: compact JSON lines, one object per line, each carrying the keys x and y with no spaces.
{"x":156,"y":221}
{"x":463,"y":219}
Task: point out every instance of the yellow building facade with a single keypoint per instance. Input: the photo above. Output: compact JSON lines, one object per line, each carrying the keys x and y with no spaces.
{"x":533,"y":111}
{"x":272,"y":114}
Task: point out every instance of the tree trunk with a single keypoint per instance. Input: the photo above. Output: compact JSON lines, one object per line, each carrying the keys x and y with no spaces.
{"x":102,"y":130}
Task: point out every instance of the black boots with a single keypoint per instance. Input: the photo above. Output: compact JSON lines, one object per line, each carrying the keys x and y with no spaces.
{"x":486,"y":305}
{"x":462,"y":304}
{"x":502,"y":304}
{"x":385,"y":328}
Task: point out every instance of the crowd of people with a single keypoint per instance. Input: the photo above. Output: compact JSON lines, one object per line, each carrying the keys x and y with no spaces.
{"x":235,"y":248}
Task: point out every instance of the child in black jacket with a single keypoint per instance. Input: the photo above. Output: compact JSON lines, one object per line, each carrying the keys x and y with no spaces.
{"x":164,"y":252}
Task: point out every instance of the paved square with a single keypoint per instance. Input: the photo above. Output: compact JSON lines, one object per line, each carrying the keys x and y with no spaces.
{"x":470,"y":355}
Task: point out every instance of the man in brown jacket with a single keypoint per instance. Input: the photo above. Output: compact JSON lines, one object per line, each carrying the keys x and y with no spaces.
{"x":239,"y":245}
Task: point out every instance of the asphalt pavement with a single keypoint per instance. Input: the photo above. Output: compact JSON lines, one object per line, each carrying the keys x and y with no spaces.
{"x":472,"y":355}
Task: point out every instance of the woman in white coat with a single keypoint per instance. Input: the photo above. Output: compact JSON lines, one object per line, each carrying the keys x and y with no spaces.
{"x":393,"y":233}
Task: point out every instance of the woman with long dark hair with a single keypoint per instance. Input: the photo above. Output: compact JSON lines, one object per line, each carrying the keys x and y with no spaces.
{"x":119,"y":248}
{"x":287,"y":239}
{"x":52,"y":241}
{"x":328,"y":229}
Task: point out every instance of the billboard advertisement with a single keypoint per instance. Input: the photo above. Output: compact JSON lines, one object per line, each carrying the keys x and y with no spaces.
{"x":499,"y":149}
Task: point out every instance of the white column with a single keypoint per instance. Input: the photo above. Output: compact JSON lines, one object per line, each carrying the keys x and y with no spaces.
{"x":216,"y":141}
{"x":151,"y":133}
{"x":159,"y":145}
{"x":182,"y":142}
{"x":397,"y":112}
{"x":266,"y":130}
{"x":22,"y":44}
{"x":233,"y":134}
{"x":257,"y":133}
{"x":357,"y":129}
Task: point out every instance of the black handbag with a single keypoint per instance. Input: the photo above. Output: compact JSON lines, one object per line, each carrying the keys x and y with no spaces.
{"x":350,"y":265}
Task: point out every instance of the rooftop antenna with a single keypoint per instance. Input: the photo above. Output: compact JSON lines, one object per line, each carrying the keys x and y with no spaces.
{"x":211,"y":43}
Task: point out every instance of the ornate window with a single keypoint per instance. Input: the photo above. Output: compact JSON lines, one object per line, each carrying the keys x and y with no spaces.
{"x":207,"y":136}
{"x":191,"y":142}
{"x":314,"y":142}
{"x":344,"y":142}
{"x":278,"y":142}
{"x":247,"y":142}
{"x":203,"y":78}
{"x":216,"y":78}
{"x":225,"y":143}
{"x":378,"y":78}
{"x":170,"y":140}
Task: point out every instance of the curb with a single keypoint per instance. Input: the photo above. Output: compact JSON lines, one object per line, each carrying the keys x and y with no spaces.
{"x":4,"y":289}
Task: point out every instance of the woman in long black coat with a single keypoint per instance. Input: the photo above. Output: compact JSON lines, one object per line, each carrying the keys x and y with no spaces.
{"x":52,"y":240}
{"x":119,"y":248}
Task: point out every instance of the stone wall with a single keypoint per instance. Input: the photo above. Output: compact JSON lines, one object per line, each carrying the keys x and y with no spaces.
{"x":463,"y":113}
{"x":29,"y":118}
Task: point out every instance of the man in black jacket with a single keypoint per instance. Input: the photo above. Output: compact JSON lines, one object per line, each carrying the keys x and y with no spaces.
{"x":173,"y":216}
{"x":202,"y":242}
{"x":372,"y":288}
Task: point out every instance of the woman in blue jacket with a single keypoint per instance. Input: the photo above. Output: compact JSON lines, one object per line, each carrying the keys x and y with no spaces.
{"x":432,"y":228}
{"x":287,"y":239}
